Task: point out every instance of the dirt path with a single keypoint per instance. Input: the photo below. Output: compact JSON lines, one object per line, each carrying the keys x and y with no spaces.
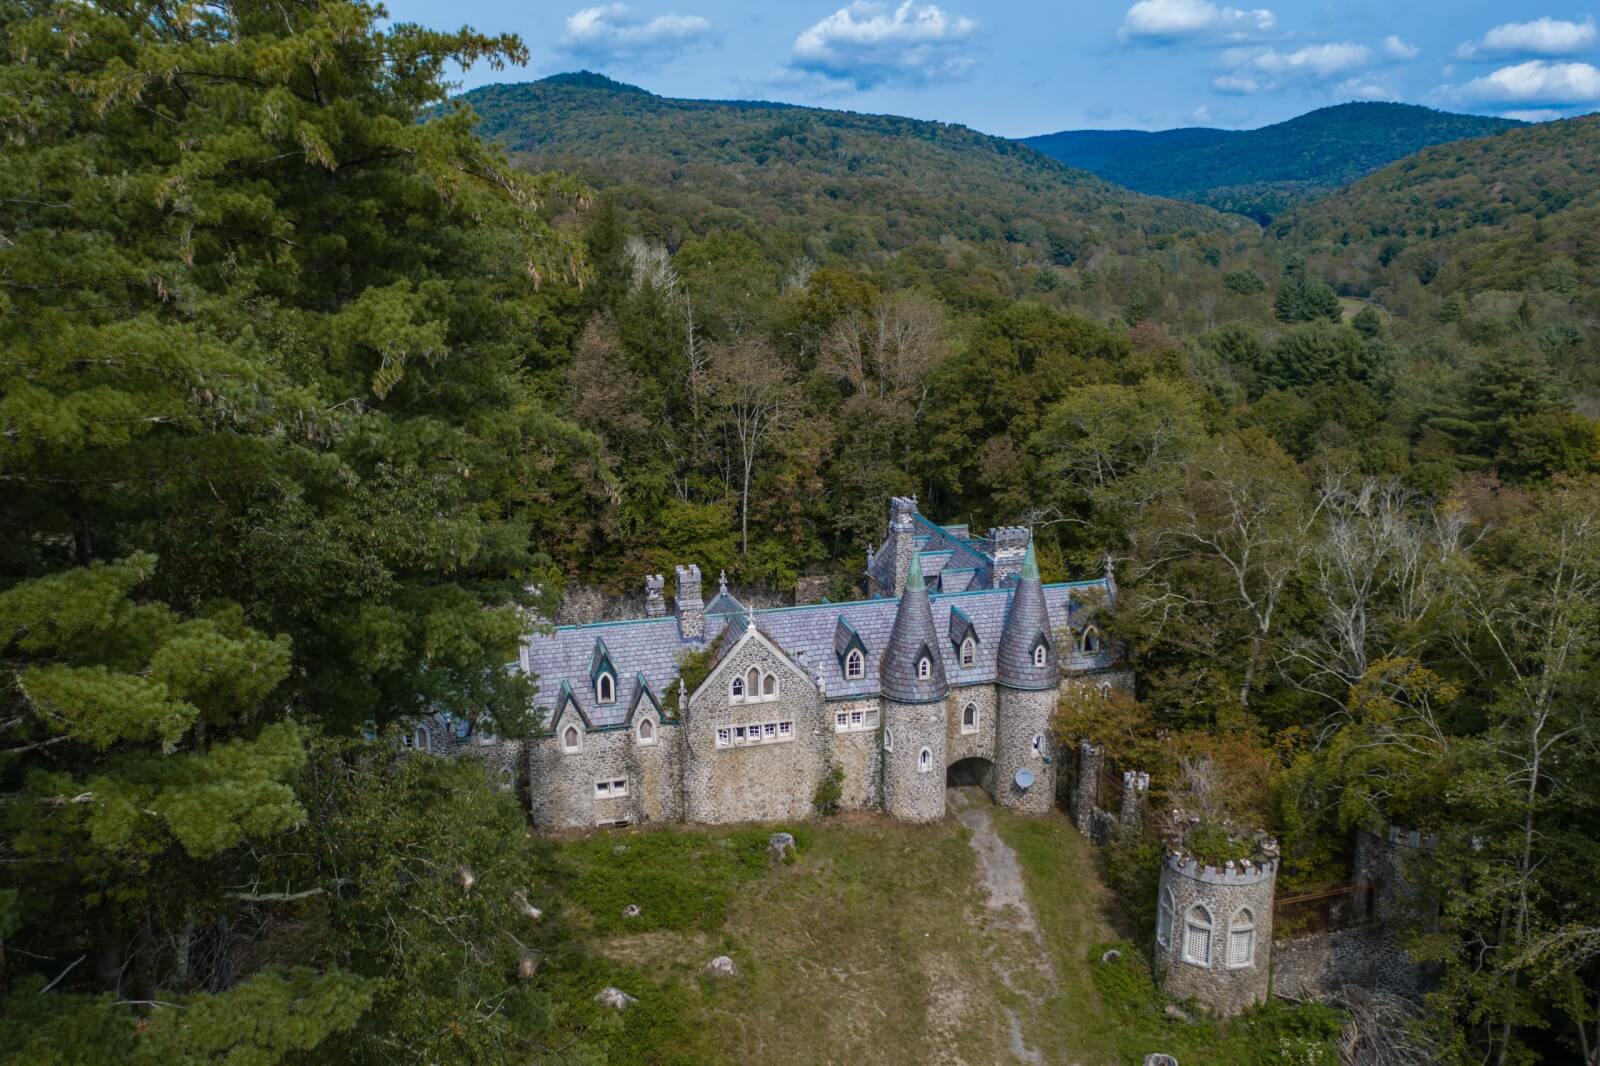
{"x":1016,"y":951}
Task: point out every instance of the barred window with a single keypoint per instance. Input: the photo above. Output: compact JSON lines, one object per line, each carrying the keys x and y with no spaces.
{"x":1197,"y":936}
{"x":1242,"y":940}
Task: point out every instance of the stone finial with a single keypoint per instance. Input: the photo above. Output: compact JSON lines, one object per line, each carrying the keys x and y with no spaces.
{"x":722,"y":582}
{"x":655,"y":600}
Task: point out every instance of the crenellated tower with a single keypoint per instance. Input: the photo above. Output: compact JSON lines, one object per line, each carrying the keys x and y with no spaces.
{"x":914,"y":690}
{"x":1028,"y":674}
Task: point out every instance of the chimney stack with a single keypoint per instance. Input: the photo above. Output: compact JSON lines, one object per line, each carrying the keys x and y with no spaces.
{"x":655,"y":601}
{"x":691,"y":608}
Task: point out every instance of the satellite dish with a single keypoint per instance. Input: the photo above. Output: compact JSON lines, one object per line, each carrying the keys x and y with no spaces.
{"x":1024,"y":779}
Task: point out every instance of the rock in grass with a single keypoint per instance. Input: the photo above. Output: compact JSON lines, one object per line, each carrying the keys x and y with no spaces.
{"x":781,"y":846}
{"x":722,"y":966}
{"x":631,"y":911}
{"x":1111,"y":956}
{"x":1176,"y":1013}
{"x":615,"y":998}
{"x":1158,"y":1058}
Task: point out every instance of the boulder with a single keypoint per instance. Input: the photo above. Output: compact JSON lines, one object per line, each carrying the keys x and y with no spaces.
{"x":722,"y":966}
{"x":1111,"y":956}
{"x":1158,"y":1058}
{"x":780,"y":846}
{"x":1176,"y":1013}
{"x":615,"y":998}
{"x":631,"y":911}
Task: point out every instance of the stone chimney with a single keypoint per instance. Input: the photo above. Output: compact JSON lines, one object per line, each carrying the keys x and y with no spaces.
{"x":691,"y":608}
{"x":1010,"y":547}
{"x":655,"y":601}
{"x":1086,"y":794}
{"x":1135,"y":789}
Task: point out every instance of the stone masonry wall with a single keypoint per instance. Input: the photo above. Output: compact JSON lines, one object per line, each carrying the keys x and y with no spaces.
{"x":1221,"y":987}
{"x":1370,"y":957}
{"x":909,"y":792}
{"x":979,"y":745}
{"x":859,"y":754}
{"x":561,"y":784}
{"x":1022,"y":742}
{"x":758,"y":782}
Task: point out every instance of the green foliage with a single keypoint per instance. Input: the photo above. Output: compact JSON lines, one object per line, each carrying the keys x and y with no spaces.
{"x":825,"y":800}
{"x":1243,"y":282}
{"x":1302,"y":299}
{"x":1215,"y":843}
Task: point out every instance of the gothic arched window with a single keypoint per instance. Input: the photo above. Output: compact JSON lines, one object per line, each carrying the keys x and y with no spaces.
{"x":969,"y":718}
{"x":1197,"y":926}
{"x":769,"y":686}
{"x":647,"y":731}
{"x":1040,"y":654}
{"x":969,"y":652}
{"x":605,"y":690}
{"x":736,"y":690}
{"x":855,"y":665}
{"x":924,"y":668}
{"x":924,"y":761}
{"x":1241,"y":939}
{"x":1091,"y":640}
{"x":571,"y":739}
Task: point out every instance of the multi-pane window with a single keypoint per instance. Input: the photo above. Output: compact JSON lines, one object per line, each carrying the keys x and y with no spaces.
{"x":1039,"y":654}
{"x":755,"y":686}
{"x":1242,"y":940}
{"x":855,"y":665}
{"x":1164,"y":918}
{"x":611,"y":788}
{"x":924,"y":668}
{"x":855,"y":721}
{"x":969,"y":652}
{"x":755,"y":733}
{"x":1197,"y":936}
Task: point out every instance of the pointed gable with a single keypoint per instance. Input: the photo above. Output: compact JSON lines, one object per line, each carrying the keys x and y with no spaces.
{"x":1027,"y":627}
{"x":845,"y":637}
{"x":961,"y":628}
{"x":911,"y":641}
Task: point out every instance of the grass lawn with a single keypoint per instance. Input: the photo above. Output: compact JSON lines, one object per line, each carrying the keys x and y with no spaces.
{"x":877,"y":945}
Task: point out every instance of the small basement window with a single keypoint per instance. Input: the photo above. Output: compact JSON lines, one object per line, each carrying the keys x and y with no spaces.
{"x":611,"y":788}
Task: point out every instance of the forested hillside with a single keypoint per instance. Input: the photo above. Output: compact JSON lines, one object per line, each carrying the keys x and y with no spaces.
{"x":1261,"y":172}
{"x":311,"y":401}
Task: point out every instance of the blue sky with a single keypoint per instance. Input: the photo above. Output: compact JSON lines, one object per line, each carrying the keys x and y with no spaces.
{"x":1013,"y":68}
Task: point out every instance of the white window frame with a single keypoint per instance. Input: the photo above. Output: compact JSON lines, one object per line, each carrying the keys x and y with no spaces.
{"x":1038,"y":744}
{"x":888,"y":739}
{"x":1164,"y":911}
{"x":971,"y":727}
{"x":925,"y":761}
{"x":1197,"y":921}
{"x":755,"y":734}
{"x":508,"y":779}
{"x":575,"y":732}
{"x":857,"y":720}
{"x":611,"y":788}
{"x":605,"y":688}
{"x":969,"y":652}
{"x":1091,"y":641}
{"x":725,"y":737}
{"x":646,"y":724}
{"x":855,"y":665}
{"x":736,"y":689}
{"x":1041,"y":654}
{"x":924,"y":668}
{"x":1242,"y":932}
{"x":1105,"y":690}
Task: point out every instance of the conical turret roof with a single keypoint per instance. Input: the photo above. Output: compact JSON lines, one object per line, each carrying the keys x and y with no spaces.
{"x":1027,"y":626}
{"x":912,"y":640}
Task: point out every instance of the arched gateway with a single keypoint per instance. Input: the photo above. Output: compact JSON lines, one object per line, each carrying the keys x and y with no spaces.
{"x":971,"y":771}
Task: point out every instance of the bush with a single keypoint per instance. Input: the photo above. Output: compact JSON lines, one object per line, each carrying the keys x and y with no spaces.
{"x":826,"y":798}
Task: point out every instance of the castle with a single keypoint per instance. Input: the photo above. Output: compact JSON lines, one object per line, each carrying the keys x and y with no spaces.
{"x":950,"y":671}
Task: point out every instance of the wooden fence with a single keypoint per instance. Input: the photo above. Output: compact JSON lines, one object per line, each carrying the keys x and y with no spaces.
{"x":1322,"y":912}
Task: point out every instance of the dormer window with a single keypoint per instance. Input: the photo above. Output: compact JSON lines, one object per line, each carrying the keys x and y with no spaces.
{"x":924,"y":668}
{"x":1040,"y":654}
{"x":605,"y":689}
{"x":969,"y":652}
{"x":1091,"y":641}
{"x":855,"y":665}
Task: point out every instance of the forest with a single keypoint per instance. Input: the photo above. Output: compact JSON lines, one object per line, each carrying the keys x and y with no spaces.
{"x":320,"y":384}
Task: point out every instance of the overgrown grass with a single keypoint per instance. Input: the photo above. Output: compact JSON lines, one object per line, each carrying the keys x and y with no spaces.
{"x":874,"y":947}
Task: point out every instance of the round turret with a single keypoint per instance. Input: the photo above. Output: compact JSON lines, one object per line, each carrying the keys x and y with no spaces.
{"x":1214,"y":916}
{"x":1029,"y":674}
{"x":914,"y":688}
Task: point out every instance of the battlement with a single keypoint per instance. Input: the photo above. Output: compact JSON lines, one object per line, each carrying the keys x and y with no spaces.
{"x":1261,"y":865}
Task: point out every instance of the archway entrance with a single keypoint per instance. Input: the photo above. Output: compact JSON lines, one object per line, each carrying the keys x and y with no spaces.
{"x":965,"y":773}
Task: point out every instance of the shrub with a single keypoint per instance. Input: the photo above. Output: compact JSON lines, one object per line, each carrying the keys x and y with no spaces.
{"x":826,"y":798}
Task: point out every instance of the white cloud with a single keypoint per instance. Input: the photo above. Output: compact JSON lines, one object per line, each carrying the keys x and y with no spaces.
{"x":868,"y":44}
{"x":1314,"y":60}
{"x":1363,"y":89}
{"x":1541,"y":37}
{"x":1201,"y":114}
{"x":1395,"y":48}
{"x":1159,"y":21}
{"x":1237,"y":84}
{"x":1536,"y":114}
{"x":1537,"y":81}
{"x":611,"y":33}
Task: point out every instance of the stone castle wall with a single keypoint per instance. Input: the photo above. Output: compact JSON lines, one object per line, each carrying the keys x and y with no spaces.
{"x":1022,"y":742}
{"x":909,"y":792}
{"x":1225,"y":895}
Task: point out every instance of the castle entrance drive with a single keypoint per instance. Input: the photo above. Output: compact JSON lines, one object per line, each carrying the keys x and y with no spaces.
{"x":964,"y":773}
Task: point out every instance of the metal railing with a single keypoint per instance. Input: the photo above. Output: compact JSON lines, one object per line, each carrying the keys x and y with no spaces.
{"x":1331,"y":909}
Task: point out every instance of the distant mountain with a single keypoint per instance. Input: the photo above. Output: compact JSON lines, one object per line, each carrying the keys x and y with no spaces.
{"x":834,"y":183}
{"x":1260,"y":172}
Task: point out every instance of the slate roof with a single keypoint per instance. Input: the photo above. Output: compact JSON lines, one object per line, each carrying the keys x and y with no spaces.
{"x":1027,"y":622}
{"x":724,"y":602}
{"x":911,"y":640}
{"x":651,"y":648}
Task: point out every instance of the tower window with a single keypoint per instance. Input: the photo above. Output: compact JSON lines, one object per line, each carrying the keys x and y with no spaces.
{"x":1039,"y":654}
{"x":1242,"y":940}
{"x":888,"y":739}
{"x":606,"y":689}
{"x":969,"y":652}
{"x":969,"y":718}
{"x":924,"y":761}
{"x":855,"y":665}
{"x":924,"y":668}
{"x":1197,"y":936}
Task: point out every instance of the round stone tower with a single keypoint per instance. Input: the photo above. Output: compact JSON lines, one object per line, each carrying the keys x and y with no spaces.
{"x":1029,"y":674}
{"x":914,"y":689}
{"x":1214,"y":923}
